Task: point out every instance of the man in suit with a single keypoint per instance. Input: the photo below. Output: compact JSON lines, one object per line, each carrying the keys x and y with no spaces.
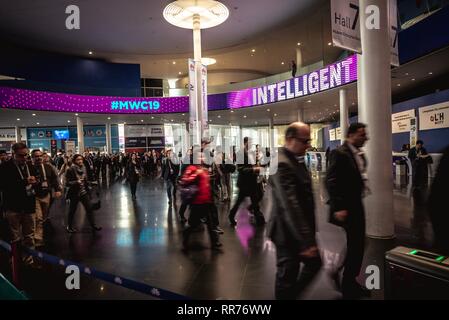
{"x":346,"y":184}
{"x":439,"y":214}
{"x":170,"y":172}
{"x":247,"y":183}
{"x":17,"y":182}
{"x":292,"y":223}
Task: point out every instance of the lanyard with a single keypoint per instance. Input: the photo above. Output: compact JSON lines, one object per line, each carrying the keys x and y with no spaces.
{"x":20,"y":171}
{"x":43,"y":172}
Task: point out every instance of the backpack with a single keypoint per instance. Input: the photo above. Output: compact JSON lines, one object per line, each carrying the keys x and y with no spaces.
{"x":188,"y":191}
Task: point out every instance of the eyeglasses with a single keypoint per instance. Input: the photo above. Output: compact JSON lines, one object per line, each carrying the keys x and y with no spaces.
{"x":305,"y":141}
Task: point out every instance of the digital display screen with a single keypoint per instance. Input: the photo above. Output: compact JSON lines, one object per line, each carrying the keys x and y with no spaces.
{"x":61,"y":134}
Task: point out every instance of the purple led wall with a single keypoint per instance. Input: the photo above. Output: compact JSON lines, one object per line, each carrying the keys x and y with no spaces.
{"x":329,"y":77}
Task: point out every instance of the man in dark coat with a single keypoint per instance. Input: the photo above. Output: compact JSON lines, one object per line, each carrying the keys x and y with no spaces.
{"x":292,"y":223}
{"x":247,"y":184}
{"x":346,"y":183}
{"x":439,"y":213}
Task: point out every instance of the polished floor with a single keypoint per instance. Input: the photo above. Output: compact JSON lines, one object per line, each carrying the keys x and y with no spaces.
{"x":141,"y":240}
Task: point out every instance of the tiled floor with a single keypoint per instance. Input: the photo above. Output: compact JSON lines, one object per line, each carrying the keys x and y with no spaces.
{"x":141,"y":240}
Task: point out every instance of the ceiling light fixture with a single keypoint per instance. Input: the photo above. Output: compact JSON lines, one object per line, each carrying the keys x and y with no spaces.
{"x":413,"y":79}
{"x":430,"y":73}
{"x":33,"y":114}
{"x":109,"y":118}
{"x":208,"y":61}
{"x":253,"y":50}
{"x":174,"y":62}
{"x":37,"y":123}
{"x":298,"y":44}
{"x":91,"y":53}
{"x":68,"y":121}
{"x":76,"y":114}
{"x":329,"y":44}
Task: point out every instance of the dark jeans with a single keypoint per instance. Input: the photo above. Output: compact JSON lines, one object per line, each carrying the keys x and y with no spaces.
{"x":171,"y":190}
{"x":84,"y":199}
{"x":355,"y":238}
{"x":198,"y":212}
{"x":182,"y":210}
{"x":133,"y":185}
{"x":255,"y":199}
{"x":288,"y":286}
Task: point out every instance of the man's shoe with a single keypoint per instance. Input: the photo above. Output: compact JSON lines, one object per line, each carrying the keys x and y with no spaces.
{"x":232,"y":222}
{"x":218,"y":230}
{"x":71,"y":230}
{"x":217,"y":244}
{"x":95,"y":228}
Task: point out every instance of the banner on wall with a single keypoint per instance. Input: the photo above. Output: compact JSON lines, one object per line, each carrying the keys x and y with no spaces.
{"x":332,"y":135}
{"x":7,"y":135}
{"x":205,"y":123}
{"x":345,"y":23}
{"x":434,"y":117}
{"x":338,"y":133}
{"x":136,"y":131}
{"x":156,"y":131}
{"x":70,"y":147}
{"x":400,"y":122}
{"x":193,"y":116}
{"x":413,"y":132}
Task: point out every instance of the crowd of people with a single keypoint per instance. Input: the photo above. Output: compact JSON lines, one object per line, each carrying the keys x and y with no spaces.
{"x":30,"y":181}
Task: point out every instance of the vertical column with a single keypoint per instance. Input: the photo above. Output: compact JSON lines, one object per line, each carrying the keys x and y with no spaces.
{"x":375,"y":111}
{"x":197,"y":129}
{"x":271,"y":133}
{"x":300,"y":115}
{"x":108,"y":138}
{"x":344,"y":114}
{"x":18,"y":134}
{"x":299,"y":58}
{"x":80,"y":134}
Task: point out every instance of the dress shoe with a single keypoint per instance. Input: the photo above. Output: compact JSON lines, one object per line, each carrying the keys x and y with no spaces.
{"x":217,"y":244}
{"x":71,"y":230}
{"x":218,"y":230}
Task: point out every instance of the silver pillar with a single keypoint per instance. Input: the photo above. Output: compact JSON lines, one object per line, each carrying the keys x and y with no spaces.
{"x":80,"y":134}
{"x":375,"y":110}
{"x":344,"y":114}
{"x":108,"y":138}
{"x":18,"y":134}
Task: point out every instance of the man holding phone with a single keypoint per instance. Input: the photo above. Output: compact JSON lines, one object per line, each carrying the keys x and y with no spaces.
{"x":18,"y":180}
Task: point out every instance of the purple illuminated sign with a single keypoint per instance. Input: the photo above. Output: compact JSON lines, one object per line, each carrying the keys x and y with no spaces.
{"x":329,"y":77}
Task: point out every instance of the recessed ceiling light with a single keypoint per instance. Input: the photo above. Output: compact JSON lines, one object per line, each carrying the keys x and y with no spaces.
{"x":90,"y":53}
{"x":399,"y":84}
{"x":183,"y":114}
{"x":210,"y":120}
{"x":253,"y":50}
{"x":18,"y":119}
{"x":219,"y":116}
{"x":413,"y":79}
{"x":275,"y":114}
{"x":109,"y":118}
{"x":68,"y":121}
{"x":298,"y":44}
{"x":152,"y":117}
{"x":179,"y":72}
{"x":171,"y":120}
{"x":406,"y":73}
{"x":268,"y":110}
{"x":232,"y":111}
{"x":174,"y":62}
{"x":37,"y":123}
{"x":76,"y":114}
{"x":244,"y":116}
{"x":282,"y":62}
{"x":34,"y":114}
{"x":141,"y":120}
{"x":309,"y":101}
{"x":329,"y":43}
{"x":430,"y":73}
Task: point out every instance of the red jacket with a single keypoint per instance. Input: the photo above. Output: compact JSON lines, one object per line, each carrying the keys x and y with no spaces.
{"x":201,"y":178}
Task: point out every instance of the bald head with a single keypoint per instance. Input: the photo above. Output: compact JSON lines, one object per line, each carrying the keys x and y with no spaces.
{"x":297,"y":138}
